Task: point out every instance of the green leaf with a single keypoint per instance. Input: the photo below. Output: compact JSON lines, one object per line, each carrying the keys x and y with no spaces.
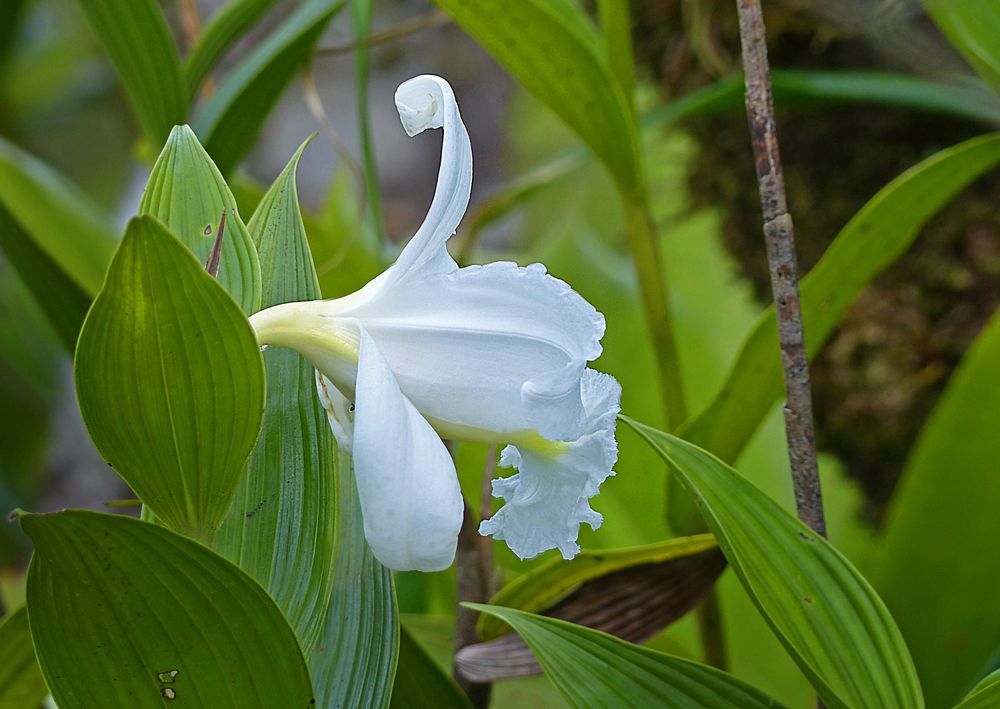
{"x":354,"y":661}
{"x":280,"y":528}
{"x":616,"y":27}
{"x":826,"y":615}
{"x":593,"y":669}
{"x":874,"y":239}
{"x":973,"y":26}
{"x":227,"y":25}
{"x":170,"y":380}
{"x":138,"y":40}
{"x":792,"y":88}
{"x":127,"y":614}
{"x":546,"y":584}
{"x":232,"y":119}
{"x":63,"y":302}
{"x":985,"y":695}
{"x":21,"y":683}
{"x":65,"y":226}
{"x":420,"y":683}
{"x":554,"y":52}
{"x":187,"y":193}
{"x":931,"y":566}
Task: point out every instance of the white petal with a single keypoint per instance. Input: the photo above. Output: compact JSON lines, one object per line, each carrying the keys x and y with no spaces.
{"x":410,"y":499}
{"x":548,"y":498}
{"x":428,"y":102}
{"x":497,"y":347}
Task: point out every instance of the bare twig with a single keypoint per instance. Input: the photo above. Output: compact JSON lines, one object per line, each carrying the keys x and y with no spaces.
{"x":474,"y":569}
{"x":780,"y":238}
{"x":435,"y":18}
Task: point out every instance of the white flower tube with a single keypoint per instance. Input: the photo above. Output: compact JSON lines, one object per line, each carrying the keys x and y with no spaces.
{"x":495,"y":353}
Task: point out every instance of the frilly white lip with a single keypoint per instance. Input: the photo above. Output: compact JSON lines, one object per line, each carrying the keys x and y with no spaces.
{"x":494,"y":353}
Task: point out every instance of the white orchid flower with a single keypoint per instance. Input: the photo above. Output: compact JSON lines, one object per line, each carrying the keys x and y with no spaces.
{"x":494,"y":353}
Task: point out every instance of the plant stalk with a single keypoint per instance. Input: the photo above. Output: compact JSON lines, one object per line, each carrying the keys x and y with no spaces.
{"x":780,"y":239}
{"x":644,"y":246}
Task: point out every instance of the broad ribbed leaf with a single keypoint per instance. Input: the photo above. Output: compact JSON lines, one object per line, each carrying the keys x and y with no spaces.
{"x":170,"y":380}
{"x":985,"y":695}
{"x":973,"y":26}
{"x":232,"y":119}
{"x":874,"y":239}
{"x":186,"y":192}
{"x":280,"y":528}
{"x":227,"y":25}
{"x":137,"y":38}
{"x":833,"y":624}
{"x":128,"y":614}
{"x":420,"y":683}
{"x":64,"y":224}
{"x":551,"y":581}
{"x":553,"y":51}
{"x":935,"y":565}
{"x":354,"y":661}
{"x":593,"y":669}
{"x":21,"y":683}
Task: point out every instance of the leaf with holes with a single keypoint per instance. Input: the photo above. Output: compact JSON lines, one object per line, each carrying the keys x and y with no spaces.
{"x":125,"y":613}
{"x":186,"y":192}
{"x":170,"y":380}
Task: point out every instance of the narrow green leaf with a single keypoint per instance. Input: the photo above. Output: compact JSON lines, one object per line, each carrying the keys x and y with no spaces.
{"x":874,"y":239}
{"x":64,"y":224}
{"x":549,"y":582}
{"x":64,"y":303}
{"x":232,"y":119}
{"x":280,"y":527}
{"x":973,"y":26}
{"x":137,"y":38}
{"x":616,"y":26}
{"x":354,"y":661}
{"x":934,"y":562}
{"x":985,"y":695}
{"x":21,"y":683}
{"x":128,"y":614}
{"x":186,"y":192}
{"x":792,"y":88}
{"x":170,"y":380}
{"x":420,"y":683}
{"x":826,"y":615}
{"x":227,"y":25}
{"x":554,"y":52}
{"x":593,"y":669}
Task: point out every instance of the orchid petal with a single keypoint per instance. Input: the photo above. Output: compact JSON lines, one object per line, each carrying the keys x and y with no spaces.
{"x":496,"y":347}
{"x":428,"y":102}
{"x":410,"y":499}
{"x":547,"y":500}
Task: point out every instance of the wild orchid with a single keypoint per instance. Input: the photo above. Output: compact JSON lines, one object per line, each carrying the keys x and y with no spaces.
{"x":495,"y":353}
